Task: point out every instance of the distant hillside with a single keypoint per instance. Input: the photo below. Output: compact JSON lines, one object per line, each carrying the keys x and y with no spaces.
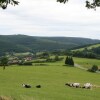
{"x":88,"y":51}
{"x":23,"y":43}
{"x":89,"y":47}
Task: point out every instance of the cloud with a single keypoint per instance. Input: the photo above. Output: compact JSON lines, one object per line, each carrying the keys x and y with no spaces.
{"x":50,"y":18}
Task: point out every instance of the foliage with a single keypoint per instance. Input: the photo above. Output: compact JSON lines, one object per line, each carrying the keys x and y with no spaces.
{"x":39,"y":61}
{"x":94,"y":68}
{"x":25,"y":63}
{"x":42,"y":55}
{"x":87,"y":52}
{"x":69,"y":61}
{"x":4,"y":62}
{"x":89,"y":5}
{"x":50,"y":60}
{"x":4,"y":3}
{"x":23,"y":43}
{"x":62,"y":1}
{"x":56,"y":58}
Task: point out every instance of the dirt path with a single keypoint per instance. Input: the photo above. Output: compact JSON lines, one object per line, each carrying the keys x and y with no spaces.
{"x":79,"y":66}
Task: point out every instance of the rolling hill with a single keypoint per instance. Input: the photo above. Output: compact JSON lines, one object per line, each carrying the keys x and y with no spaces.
{"x":88,"y":51}
{"x":23,"y":43}
{"x":89,"y":47}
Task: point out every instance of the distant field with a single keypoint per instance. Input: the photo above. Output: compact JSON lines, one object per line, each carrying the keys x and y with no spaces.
{"x":88,"y":47}
{"x":22,"y":54}
{"x":52,"y":77}
{"x":87,"y":63}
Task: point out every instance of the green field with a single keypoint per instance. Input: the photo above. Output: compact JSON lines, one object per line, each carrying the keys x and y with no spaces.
{"x":52,"y":77}
{"x":87,"y":63}
{"x":88,"y":47}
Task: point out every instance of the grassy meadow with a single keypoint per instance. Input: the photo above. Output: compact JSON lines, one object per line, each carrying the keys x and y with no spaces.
{"x":88,"y":47}
{"x":87,"y":63}
{"x":52,"y":77}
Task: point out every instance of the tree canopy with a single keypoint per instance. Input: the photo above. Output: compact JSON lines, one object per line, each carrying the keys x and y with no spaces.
{"x":4,"y":62}
{"x":4,"y":3}
{"x":90,"y":5}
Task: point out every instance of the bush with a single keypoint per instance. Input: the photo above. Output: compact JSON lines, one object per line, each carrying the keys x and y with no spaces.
{"x":94,"y":68}
{"x":25,"y":63}
{"x":39,"y":61}
{"x":50,"y":60}
{"x":69,"y":61}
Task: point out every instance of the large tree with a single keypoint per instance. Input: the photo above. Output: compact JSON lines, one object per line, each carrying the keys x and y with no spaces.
{"x":91,"y":5}
{"x":4,"y":62}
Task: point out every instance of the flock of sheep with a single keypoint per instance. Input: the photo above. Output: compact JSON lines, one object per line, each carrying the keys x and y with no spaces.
{"x":29,"y":86}
{"x":77,"y":85}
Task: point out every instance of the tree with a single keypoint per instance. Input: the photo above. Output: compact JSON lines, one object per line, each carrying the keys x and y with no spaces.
{"x":4,"y":3}
{"x":4,"y":62}
{"x":69,"y":61}
{"x":56,"y":58}
{"x":94,"y":68}
{"x":89,"y":5}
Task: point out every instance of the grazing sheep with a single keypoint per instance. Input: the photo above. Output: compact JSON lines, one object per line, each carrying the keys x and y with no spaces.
{"x":38,"y":86}
{"x":26,"y":85}
{"x":69,"y":84}
{"x":73,"y":84}
{"x":76,"y":85}
{"x":87,"y":86}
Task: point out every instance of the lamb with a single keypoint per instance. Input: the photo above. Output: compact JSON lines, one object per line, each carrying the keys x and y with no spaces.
{"x":26,"y":85}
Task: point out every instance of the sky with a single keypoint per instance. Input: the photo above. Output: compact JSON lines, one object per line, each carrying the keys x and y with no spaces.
{"x":50,"y":18}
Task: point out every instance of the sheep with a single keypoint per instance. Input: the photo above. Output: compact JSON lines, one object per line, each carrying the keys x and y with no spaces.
{"x":38,"y":86}
{"x":69,"y":84}
{"x":87,"y":86}
{"x":76,"y":85}
{"x":26,"y":85}
{"x":73,"y":84}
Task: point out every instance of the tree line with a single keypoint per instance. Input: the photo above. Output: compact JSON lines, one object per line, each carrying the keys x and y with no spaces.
{"x":87,"y":53}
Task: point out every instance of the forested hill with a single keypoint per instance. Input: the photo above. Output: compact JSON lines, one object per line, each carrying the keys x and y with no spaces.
{"x":23,"y":43}
{"x":88,"y":51}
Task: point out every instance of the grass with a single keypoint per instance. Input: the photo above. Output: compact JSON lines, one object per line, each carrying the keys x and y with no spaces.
{"x":52,"y":78}
{"x":87,"y":63}
{"x":88,"y":47}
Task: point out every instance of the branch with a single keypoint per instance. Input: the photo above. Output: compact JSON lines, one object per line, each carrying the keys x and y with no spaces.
{"x":89,"y":5}
{"x":4,"y":3}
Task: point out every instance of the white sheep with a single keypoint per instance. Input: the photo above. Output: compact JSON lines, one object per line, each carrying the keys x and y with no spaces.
{"x":76,"y":85}
{"x":87,"y":86}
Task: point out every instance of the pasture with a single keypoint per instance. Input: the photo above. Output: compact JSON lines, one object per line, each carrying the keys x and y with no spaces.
{"x":88,"y":47}
{"x":87,"y":63}
{"x":52,"y":78}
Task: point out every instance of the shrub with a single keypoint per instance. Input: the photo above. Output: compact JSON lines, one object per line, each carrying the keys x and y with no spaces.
{"x":94,"y":68}
{"x":25,"y":63}
{"x":69,"y":61}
